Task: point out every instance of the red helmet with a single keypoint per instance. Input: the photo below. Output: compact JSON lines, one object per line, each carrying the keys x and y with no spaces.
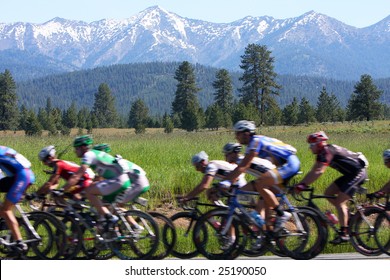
{"x":317,"y":137}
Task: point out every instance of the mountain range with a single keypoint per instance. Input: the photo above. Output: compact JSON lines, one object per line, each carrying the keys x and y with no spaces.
{"x":312,"y":44}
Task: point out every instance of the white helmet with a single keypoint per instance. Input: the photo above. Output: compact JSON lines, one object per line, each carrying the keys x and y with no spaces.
{"x":199,"y":157}
{"x":245,"y":125}
{"x":231,"y":147}
{"x":47,"y":151}
{"x":386,"y":155}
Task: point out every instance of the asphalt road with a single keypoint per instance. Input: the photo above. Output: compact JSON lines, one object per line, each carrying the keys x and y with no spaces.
{"x":341,"y":256}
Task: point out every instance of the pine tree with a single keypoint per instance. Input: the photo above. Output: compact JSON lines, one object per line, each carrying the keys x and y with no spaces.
{"x":214,"y":117}
{"x":70,"y":116}
{"x":167,"y":123}
{"x":23,"y":115}
{"x":323,"y":113}
{"x":258,"y":77}
{"x":9,"y":112}
{"x":186,"y":105}
{"x":138,"y":116}
{"x":104,"y":107}
{"x":290,"y":113}
{"x":306,"y":112}
{"x":32,"y":127}
{"x":363,"y":104}
{"x":223,"y":96}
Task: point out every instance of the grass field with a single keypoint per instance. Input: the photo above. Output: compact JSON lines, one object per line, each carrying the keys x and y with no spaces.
{"x":167,"y":157}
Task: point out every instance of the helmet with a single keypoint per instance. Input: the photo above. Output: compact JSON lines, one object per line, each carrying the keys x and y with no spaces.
{"x":231,"y":147}
{"x":199,"y":157}
{"x":46,"y":152}
{"x":317,"y":137}
{"x":244,"y":125}
{"x":82,"y":140}
{"x":386,"y":155}
{"x":102,"y":147}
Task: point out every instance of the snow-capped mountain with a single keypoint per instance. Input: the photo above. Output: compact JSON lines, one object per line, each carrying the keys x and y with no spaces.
{"x":312,"y":44}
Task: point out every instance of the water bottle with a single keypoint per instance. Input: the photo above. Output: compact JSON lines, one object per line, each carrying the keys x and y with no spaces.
{"x":332,"y":217}
{"x":257,"y":217}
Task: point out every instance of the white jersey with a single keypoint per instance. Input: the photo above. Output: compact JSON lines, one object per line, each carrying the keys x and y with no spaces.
{"x":258,"y":166}
{"x":219,"y":169}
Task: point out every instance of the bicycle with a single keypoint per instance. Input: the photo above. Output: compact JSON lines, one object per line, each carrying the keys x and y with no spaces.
{"x":167,"y":229}
{"x":98,"y":241}
{"x":41,"y":231}
{"x":184,"y":247}
{"x":291,"y":241}
{"x":360,"y":226}
{"x":382,"y":227}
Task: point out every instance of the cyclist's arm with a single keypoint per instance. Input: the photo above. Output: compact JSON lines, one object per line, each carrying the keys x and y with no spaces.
{"x":76,"y":177}
{"x":51,"y":184}
{"x":206,"y":182}
{"x":317,"y":170}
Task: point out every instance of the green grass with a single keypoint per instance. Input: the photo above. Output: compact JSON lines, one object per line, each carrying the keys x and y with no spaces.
{"x":166,"y":157}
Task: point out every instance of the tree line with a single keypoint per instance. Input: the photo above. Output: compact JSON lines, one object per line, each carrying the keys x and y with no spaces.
{"x":256,"y":100}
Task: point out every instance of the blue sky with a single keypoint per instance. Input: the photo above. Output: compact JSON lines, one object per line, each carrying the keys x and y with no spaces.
{"x":353,"y":12}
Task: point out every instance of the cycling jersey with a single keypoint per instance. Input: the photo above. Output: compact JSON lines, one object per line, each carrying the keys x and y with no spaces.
{"x":342,"y":159}
{"x":219,"y":169}
{"x":19,"y":175}
{"x":258,"y":166}
{"x":104,"y":164}
{"x":277,"y":152}
{"x":270,"y":148}
{"x":65,"y":169}
{"x":352,"y":165}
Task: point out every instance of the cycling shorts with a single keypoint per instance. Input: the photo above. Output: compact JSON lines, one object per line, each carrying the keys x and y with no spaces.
{"x":15,"y":186}
{"x":287,"y":170}
{"x":348,"y":184}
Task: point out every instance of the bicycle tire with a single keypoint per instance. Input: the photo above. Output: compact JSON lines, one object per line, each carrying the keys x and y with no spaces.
{"x":74,"y":235}
{"x":302,"y":245}
{"x":93,"y":247}
{"x":167,"y":236}
{"x":132,"y":246}
{"x":6,"y":252}
{"x":184,"y":247}
{"x":209,"y":242}
{"x":382,"y":232}
{"x":362,"y":236}
{"x":52,"y":233}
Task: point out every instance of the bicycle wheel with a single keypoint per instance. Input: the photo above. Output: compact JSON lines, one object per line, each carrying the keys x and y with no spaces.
{"x":74,"y":235}
{"x":52,"y":233}
{"x":211,"y":242}
{"x":7,"y":252}
{"x":94,"y":246}
{"x":184,"y":247}
{"x":382,"y":232}
{"x":133,"y":243}
{"x":167,"y":236}
{"x":304,"y":235}
{"x":362,"y":231}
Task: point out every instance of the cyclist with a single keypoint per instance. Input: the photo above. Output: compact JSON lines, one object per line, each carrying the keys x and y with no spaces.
{"x":257,"y":167}
{"x":215,"y":169}
{"x":112,"y":170}
{"x":386,"y":188}
{"x":18,"y":176}
{"x":139,"y":182}
{"x":279,"y":153}
{"x":62,"y":169}
{"x":352,"y":166}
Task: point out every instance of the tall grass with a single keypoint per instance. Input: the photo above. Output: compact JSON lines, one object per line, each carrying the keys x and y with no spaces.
{"x":167,"y":157}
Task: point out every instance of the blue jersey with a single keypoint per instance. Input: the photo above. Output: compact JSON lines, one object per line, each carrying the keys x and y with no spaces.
{"x":11,"y":162}
{"x":270,"y":148}
{"x":17,"y":170}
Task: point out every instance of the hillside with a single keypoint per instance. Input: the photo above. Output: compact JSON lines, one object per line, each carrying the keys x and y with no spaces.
{"x":155,"y":84}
